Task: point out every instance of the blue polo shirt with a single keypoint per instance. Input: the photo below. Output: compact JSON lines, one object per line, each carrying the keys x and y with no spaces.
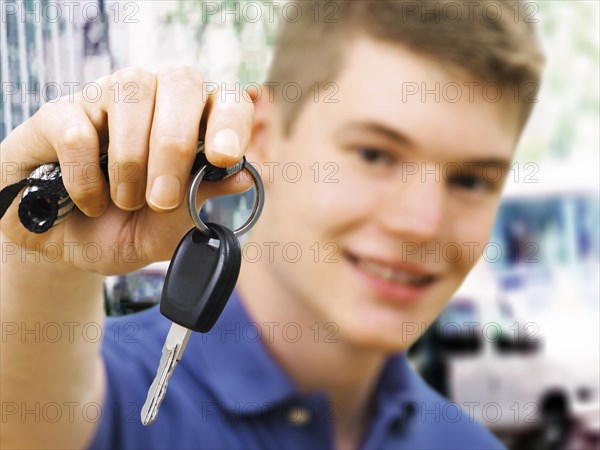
{"x":228,"y":393}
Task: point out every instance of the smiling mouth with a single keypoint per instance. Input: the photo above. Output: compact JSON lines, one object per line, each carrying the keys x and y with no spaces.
{"x":390,"y":274}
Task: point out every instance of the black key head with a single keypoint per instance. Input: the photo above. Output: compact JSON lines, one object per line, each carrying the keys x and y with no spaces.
{"x":201,"y":278}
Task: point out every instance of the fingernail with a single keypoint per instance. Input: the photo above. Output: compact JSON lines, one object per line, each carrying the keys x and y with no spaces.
{"x":94,"y":210}
{"x":165,"y":192}
{"x":129,"y":196}
{"x":226,"y":142}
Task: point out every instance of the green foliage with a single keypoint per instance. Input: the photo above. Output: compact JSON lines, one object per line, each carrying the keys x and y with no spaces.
{"x":569,"y":93}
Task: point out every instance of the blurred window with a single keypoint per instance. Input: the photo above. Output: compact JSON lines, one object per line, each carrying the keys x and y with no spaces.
{"x":459,"y":312}
{"x":541,"y":233}
{"x":145,"y":287}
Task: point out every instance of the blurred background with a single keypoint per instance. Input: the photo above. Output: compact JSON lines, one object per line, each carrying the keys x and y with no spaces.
{"x":518,"y":345}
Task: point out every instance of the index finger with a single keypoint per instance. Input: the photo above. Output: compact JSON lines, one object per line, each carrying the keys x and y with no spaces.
{"x":229,"y":126}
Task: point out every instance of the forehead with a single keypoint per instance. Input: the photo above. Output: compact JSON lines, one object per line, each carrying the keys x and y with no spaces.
{"x":438,"y":109}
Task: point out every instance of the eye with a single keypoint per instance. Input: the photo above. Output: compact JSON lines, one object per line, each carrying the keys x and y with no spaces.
{"x":471,"y":183}
{"x":375,"y":156}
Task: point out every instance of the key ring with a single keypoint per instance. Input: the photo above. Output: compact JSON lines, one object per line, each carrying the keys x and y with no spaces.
{"x":259,"y":201}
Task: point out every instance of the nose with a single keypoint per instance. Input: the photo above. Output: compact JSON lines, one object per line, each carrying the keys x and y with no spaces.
{"x":414,"y":205}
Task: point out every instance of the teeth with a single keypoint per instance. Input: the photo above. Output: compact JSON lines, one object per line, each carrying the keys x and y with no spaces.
{"x":389,"y":274}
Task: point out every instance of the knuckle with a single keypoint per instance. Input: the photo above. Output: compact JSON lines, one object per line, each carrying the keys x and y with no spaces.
{"x":182,"y":73}
{"x":246,"y":112}
{"x":231,"y":114}
{"x":143,"y":79}
{"x":77,"y":140}
{"x":234,"y":105}
{"x":176,"y":146}
{"x":82,"y":190}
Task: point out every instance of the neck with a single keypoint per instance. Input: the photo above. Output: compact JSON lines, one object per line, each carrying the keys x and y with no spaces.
{"x":312,"y":352}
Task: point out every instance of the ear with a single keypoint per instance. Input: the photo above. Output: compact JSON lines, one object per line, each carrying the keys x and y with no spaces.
{"x":264,"y":131}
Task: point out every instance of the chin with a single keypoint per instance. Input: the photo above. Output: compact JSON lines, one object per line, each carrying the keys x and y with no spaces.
{"x":377,"y":343}
{"x":388,"y":336}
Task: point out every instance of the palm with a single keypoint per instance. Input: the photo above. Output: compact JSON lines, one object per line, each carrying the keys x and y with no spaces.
{"x":120,"y":241}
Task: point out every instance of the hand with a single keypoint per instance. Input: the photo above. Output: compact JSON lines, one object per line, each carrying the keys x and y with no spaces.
{"x":152,"y":123}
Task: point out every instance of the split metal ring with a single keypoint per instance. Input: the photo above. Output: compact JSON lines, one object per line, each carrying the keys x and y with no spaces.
{"x":259,"y":201}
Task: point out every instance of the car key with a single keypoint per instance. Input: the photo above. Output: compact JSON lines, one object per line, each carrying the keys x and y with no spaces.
{"x":199,"y":281}
{"x":201,"y":276}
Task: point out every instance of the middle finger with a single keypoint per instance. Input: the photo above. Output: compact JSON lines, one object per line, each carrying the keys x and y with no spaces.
{"x":174,"y":136}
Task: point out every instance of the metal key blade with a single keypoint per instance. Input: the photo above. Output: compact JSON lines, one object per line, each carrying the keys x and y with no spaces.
{"x":175,"y":344}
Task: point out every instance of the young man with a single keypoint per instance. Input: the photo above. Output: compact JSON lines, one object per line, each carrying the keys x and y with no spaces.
{"x":406,"y":158}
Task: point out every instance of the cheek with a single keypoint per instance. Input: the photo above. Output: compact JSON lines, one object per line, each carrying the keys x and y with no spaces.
{"x":471,"y":234}
{"x":334,"y":199}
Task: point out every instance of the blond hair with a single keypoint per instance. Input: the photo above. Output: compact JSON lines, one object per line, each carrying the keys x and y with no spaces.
{"x":494,"y":41}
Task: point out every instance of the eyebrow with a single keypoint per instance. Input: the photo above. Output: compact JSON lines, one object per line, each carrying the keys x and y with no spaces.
{"x":377,"y":128}
{"x":401,"y":138}
{"x":500,"y":163}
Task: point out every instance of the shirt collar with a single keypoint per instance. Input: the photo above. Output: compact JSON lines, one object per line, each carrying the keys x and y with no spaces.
{"x":241,"y":373}
{"x":398,"y":387}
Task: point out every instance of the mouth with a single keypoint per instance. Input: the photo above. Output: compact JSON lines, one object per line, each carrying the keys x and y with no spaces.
{"x":397,"y":281}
